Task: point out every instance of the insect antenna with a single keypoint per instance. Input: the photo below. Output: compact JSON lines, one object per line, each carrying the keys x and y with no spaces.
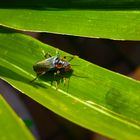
{"x":74,"y":65}
{"x":79,"y":76}
{"x":33,"y":79}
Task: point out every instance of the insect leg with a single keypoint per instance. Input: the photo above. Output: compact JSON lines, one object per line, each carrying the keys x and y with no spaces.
{"x":39,"y":74}
{"x":57,"y":52}
{"x":64,"y":81}
{"x":34,"y":78}
{"x":56,"y":78}
{"x":47,"y":55}
{"x":68,"y":84}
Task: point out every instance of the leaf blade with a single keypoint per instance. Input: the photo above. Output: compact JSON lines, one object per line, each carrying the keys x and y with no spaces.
{"x":102,"y":104}
{"x":113,"y":24}
{"x":11,"y":123}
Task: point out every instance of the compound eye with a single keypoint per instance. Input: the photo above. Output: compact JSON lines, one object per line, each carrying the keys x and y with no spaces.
{"x":59,"y":65}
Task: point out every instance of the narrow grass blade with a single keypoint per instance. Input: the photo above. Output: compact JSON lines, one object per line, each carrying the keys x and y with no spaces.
{"x":102,"y":101}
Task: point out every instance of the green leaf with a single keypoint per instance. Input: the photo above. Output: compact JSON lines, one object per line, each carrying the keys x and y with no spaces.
{"x":96,"y":19}
{"x":11,"y":126}
{"x":97,"y":99}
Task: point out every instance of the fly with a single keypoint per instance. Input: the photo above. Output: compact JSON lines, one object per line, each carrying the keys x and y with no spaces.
{"x":54,"y":64}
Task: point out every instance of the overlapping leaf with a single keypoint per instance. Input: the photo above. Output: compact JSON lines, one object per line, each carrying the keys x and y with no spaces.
{"x":96,"y":19}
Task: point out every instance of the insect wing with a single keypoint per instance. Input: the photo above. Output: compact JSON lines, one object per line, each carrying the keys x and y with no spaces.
{"x":47,"y":63}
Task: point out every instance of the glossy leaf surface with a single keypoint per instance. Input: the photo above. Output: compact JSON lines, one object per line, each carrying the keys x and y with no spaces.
{"x":97,"y":99}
